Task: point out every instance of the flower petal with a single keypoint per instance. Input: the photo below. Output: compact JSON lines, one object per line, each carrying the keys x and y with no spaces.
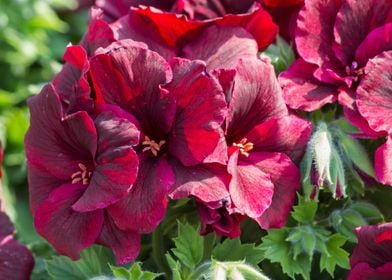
{"x":374,"y":94}
{"x":222,"y":47}
{"x":207,"y":182}
{"x":288,"y":135}
{"x":314,"y":35}
{"x":256,"y":97}
{"x":117,"y":163}
{"x":286,"y":179}
{"x":67,"y":230}
{"x":125,"y":244}
{"x":201,"y":109}
{"x":56,"y":143}
{"x":251,"y":189}
{"x":383,"y":162}
{"x":134,"y":85}
{"x":145,"y":205}
{"x":302,"y":91}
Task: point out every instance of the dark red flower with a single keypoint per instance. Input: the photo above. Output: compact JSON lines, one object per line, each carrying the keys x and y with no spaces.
{"x":372,"y":257}
{"x":77,"y":167}
{"x":16,"y":261}
{"x":333,"y":39}
{"x":179,"y":111}
{"x":263,"y":140}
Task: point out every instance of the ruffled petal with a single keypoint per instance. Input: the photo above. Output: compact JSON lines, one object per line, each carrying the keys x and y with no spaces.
{"x":201,"y":109}
{"x":251,"y":189}
{"x":256,"y":97}
{"x":301,"y":90}
{"x":145,"y":205}
{"x":55,"y":143}
{"x":117,"y":163}
{"x":285,"y":177}
{"x":374,"y":94}
{"x":67,"y":230}
{"x":222,"y":47}
{"x":125,"y":244}
{"x":134,"y":85}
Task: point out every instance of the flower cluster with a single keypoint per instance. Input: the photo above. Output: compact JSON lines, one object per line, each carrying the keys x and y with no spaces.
{"x":152,"y":105}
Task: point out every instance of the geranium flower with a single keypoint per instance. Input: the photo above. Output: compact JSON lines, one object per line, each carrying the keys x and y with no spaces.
{"x":16,"y":261}
{"x":168,"y":33}
{"x":179,"y":111}
{"x":372,"y":257}
{"x":334,"y":39}
{"x":77,"y":168}
{"x":263,"y":141}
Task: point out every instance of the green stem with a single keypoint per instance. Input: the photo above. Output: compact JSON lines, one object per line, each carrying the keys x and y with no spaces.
{"x":158,"y":252}
{"x":199,"y":271}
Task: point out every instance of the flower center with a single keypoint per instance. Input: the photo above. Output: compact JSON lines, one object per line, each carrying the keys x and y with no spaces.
{"x":354,"y":70}
{"x":152,"y":146}
{"x":244,"y":146}
{"x":83,"y":175}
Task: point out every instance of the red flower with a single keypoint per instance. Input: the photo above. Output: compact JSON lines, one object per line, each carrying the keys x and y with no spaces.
{"x":77,"y":167}
{"x":179,"y":111}
{"x":263,"y":140}
{"x":372,"y":257}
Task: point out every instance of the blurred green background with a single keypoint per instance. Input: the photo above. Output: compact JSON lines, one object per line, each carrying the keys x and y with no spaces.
{"x":33,"y":37}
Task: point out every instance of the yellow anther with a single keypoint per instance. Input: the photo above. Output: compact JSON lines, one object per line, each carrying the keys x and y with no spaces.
{"x":244,"y":146}
{"x":83,"y":175}
{"x":152,"y":146}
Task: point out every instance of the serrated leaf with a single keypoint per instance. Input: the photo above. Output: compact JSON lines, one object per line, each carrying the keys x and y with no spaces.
{"x":278,"y":250}
{"x":133,"y":273}
{"x":233,"y":250}
{"x":175,"y":267}
{"x":305,"y":211}
{"x":93,"y":262}
{"x":189,"y":245}
{"x":335,"y":256}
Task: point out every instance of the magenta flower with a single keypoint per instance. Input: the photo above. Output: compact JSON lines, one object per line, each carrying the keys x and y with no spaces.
{"x":372,"y":257}
{"x":178,"y":110}
{"x":78,"y":167}
{"x":263,"y":141}
{"x":334,"y":39}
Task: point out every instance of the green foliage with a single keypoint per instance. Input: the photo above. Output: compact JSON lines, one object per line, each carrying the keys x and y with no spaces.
{"x":189,"y":245}
{"x":93,"y":262}
{"x":233,"y":250}
{"x":305,"y":211}
{"x":332,"y":254}
{"x":133,"y":273}
{"x":281,"y":55}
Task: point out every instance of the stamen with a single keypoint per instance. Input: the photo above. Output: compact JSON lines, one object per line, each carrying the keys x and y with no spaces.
{"x":152,"y":146}
{"x":244,"y":146}
{"x":83,"y":175}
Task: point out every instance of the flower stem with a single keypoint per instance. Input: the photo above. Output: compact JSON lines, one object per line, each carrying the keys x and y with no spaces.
{"x":158,"y":252}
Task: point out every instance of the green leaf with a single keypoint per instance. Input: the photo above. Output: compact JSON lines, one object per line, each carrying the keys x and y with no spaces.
{"x":355,"y":152}
{"x":278,"y":250}
{"x":281,"y":54}
{"x":93,"y":262}
{"x":175,"y":267}
{"x":134,"y":273}
{"x":368,"y":211}
{"x":233,"y":250}
{"x":335,"y":255}
{"x":189,"y":245}
{"x":305,"y":211}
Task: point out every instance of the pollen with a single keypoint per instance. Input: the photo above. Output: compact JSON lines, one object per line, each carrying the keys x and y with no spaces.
{"x":244,"y":146}
{"x":83,"y":175}
{"x":152,"y":146}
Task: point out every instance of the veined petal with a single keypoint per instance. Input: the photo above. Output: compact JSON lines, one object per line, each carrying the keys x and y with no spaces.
{"x":145,"y":205}
{"x":67,"y":230}
{"x":383,"y":162}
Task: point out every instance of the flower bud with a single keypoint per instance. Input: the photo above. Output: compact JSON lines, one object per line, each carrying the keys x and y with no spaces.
{"x":234,"y":271}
